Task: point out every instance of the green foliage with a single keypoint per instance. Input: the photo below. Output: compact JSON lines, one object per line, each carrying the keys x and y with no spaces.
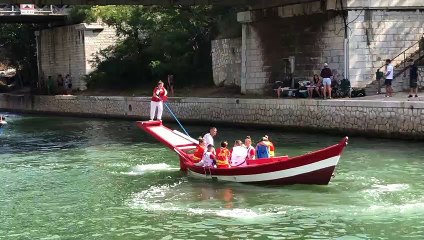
{"x":156,"y":41}
{"x":19,"y":42}
{"x":80,"y":14}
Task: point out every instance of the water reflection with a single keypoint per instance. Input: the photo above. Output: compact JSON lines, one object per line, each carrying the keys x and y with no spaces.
{"x":225,"y":195}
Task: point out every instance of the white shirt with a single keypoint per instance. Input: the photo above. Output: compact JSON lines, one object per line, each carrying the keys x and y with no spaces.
{"x":389,"y":68}
{"x":207,"y":160}
{"x":208,"y":139}
{"x":238,"y":156}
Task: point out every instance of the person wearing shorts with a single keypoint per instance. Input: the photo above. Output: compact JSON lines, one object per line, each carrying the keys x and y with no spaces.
{"x":389,"y":78}
{"x":413,"y":79}
{"x":326,"y":75}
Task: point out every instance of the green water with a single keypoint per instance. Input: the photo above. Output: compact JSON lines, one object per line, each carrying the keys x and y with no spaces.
{"x":69,"y":178}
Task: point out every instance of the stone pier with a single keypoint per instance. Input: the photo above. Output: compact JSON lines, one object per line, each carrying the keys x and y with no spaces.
{"x":401,"y":119}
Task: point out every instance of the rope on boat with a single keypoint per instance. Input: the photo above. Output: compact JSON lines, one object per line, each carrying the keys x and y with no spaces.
{"x":175,"y":117}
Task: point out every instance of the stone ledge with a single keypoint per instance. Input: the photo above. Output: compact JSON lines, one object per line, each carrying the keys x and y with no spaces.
{"x":388,"y":118}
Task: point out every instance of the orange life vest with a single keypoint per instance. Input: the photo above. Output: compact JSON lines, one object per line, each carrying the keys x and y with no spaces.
{"x":271,"y":149}
{"x":222,"y":157}
{"x":198,"y":154}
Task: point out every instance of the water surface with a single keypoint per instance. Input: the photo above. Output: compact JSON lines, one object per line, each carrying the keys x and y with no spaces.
{"x":70,"y":178}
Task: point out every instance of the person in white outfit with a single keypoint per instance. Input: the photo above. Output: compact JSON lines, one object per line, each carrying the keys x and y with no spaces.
{"x":238,"y":155}
{"x":208,"y":159}
{"x":208,"y":137}
{"x":159,"y":95}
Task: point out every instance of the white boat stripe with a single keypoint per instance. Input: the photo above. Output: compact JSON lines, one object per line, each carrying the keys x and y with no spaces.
{"x":329,"y":162}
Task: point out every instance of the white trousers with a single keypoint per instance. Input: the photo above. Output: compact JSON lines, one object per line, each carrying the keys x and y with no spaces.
{"x":153,"y":106}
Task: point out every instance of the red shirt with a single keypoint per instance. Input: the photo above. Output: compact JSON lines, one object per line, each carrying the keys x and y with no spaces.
{"x":251,"y":152}
{"x":161,"y":92}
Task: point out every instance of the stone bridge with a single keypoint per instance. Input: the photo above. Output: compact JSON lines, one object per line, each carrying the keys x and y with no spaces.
{"x":279,"y":38}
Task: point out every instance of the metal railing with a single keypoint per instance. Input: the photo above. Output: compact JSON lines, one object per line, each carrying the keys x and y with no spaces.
{"x":11,"y":10}
{"x":402,"y":57}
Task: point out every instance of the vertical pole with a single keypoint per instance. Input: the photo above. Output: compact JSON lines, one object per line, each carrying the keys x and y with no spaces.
{"x":346,"y":58}
{"x":38,"y":50}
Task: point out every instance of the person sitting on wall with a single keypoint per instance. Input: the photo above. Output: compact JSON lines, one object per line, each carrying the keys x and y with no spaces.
{"x":314,"y":85}
{"x":278,"y":87}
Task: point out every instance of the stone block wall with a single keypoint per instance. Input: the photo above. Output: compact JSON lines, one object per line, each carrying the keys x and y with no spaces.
{"x":97,"y":38}
{"x":226,"y":62}
{"x":70,"y":49}
{"x":376,"y":35}
{"x":62,"y":52}
{"x":312,"y":40}
{"x":387,"y":4}
{"x":364,"y":117}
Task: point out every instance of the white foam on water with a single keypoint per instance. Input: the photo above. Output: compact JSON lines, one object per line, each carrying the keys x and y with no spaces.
{"x":157,"y":199}
{"x":389,"y":188}
{"x":377,"y":191}
{"x":146,"y":168}
{"x":412,"y":207}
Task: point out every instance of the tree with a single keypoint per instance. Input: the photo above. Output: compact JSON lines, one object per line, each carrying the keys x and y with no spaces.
{"x":156,"y":41}
{"x":18,"y":40}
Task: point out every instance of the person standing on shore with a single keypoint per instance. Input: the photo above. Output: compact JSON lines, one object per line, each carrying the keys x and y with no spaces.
{"x":159,"y":95}
{"x":170,"y":84}
{"x":389,"y":78}
{"x":413,"y":79}
{"x":326,"y":75}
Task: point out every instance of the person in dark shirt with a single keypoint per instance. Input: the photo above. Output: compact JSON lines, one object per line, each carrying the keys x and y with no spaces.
{"x":413,"y":79}
{"x":326,"y":75}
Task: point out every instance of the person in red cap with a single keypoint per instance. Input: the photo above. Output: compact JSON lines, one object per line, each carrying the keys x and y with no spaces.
{"x":159,"y":95}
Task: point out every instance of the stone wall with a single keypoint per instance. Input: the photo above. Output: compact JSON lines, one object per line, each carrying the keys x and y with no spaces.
{"x":70,"y":49}
{"x":384,"y":4}
{"x":226,"y":62}
{"x":312,"y":40}
{"x":390,"y":118}
{"x":377,"y":35}
{"x":97,"y":38}
{"x":62,"y":52}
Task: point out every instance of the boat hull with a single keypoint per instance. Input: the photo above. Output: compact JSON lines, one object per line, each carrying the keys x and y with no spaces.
{"x":312,"y":168}
{"x":320,"y":176}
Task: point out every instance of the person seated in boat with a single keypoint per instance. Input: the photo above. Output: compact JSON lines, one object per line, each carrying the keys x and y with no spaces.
{"x":271,"y":146}
{"x":200,"y":150}
{"x":223,"y":156}
{"x":262,"y":148}
{"x":251,"y":152}
{"x":238,"y":155}
{"x":208,"y":159}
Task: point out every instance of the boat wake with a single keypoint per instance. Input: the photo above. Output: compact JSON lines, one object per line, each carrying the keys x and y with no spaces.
{"x":166,"y":199}
{"x":148,"y":168}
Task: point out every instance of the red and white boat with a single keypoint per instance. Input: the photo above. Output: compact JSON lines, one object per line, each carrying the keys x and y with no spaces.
{"x":311,"y":168}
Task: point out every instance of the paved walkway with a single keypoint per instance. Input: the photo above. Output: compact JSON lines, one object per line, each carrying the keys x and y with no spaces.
{"x":400,"y":96}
